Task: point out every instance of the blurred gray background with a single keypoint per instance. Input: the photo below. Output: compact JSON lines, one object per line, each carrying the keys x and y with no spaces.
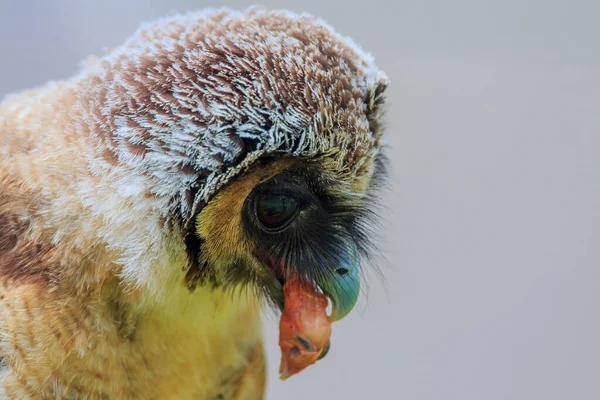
{"x":493,"y":222}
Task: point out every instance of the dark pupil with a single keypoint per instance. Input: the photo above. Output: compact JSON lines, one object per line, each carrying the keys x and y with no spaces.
{"x":275,"y":211}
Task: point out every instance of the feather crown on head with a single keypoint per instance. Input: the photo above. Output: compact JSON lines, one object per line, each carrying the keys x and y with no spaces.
{"x":192,"y":101}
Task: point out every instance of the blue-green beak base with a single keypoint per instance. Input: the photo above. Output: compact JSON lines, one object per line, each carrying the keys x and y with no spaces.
{"x":342,"y":286}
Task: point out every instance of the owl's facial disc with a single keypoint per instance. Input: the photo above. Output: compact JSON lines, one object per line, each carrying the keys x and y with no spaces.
{"x":298,"y":233}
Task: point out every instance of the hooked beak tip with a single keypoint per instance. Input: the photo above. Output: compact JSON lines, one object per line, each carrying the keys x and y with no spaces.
{"x":343,"y":285}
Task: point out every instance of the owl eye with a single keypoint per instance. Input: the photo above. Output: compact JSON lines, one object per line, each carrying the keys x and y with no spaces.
{"x":275,"y":211}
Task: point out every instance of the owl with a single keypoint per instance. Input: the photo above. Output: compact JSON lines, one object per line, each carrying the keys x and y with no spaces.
{"x":217,"y":164}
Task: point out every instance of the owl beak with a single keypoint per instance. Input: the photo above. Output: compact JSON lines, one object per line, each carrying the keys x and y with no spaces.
{"x":342,"y":286}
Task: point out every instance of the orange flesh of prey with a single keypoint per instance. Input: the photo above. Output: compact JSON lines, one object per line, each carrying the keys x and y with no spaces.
{"x":304,"y":328}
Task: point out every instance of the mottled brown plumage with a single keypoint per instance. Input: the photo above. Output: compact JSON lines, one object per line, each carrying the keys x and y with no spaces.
{"x":122,"y":192}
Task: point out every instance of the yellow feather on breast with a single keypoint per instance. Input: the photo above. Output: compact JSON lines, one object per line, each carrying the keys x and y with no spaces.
{"x":59,"y":347}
